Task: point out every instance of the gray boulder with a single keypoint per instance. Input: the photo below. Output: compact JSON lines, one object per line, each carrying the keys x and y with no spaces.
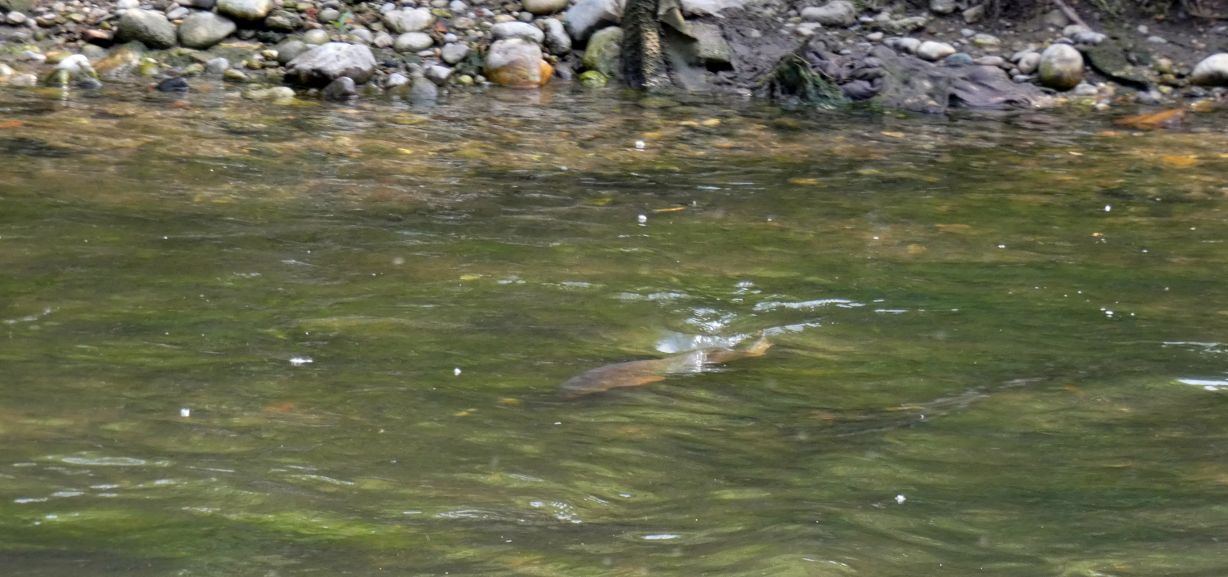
{"x":201,"y":30}
{"x":328,"y":62}
{"x":834,"y":13}
{"x":245,"y":9}
{"x":1061,"y":67}
{"x":415,"y":20}
{"x":147,"y":27}
{"x":1212,"y":71}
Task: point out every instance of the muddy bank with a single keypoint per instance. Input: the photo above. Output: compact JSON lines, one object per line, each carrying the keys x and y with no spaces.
{"x":929,"y":58}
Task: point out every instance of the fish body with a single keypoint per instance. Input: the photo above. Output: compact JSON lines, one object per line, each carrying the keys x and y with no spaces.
{"x":647,"y":371}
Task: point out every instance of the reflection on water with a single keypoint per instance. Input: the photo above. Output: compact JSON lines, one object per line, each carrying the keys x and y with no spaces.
{"x":315,"y":339}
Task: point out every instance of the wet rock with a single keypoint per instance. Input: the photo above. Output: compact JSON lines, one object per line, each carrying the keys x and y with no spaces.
{"x":413,"y":42}
{"x":176,"y":85}
{"x":834,"y":13}
{"x":523,"y":30}
{"x":342,"y":89}
{"x":1212,"y":71}
{"x":316,"y":37}
{"x":586,"y":16}
{"x":249,"y":10}
{"x":604,"y":52}
{"x":201,"y":30}
{"x":454,"y":52}
{"x":934,"y":51}
{"x":327,"y":62}
{"x":517,"y":63}
{"x":1061,"y":67}
{"x":177,"y":13}
{"x":593,"y":79}
{"x":423,"y":91}
{"x":147,"y":27}
{"x":235,"y":75}
{"x":1113,"y":60}
{"x":557,"y":40}
{"x":25,"y":80}
{"x":414,"y":20}
{"x":274,"y":94}
{"x":543,"y":7}
{"x":121,"y":60}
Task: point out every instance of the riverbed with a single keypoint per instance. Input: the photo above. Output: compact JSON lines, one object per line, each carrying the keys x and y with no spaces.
{"x":285,"y":339}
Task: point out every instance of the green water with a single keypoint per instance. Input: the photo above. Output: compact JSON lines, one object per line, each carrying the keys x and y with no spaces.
{"x":248,"y":339}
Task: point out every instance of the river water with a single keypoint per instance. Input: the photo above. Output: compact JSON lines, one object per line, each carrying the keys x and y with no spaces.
{"x":253,"y":339}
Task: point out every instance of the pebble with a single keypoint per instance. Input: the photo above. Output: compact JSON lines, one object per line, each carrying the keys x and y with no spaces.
{"x":1029,"y":62}
{"x":543,"y":7}
{"x":934,"y":51}
{"x":438,"y":74}
{"x":835,"y":13}
{"x":505,"y":30}
{"x":413,"y":42}
{"x":316,"y":36}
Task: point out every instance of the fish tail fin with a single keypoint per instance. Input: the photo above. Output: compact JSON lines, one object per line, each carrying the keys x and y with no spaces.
{"x":759,"y":347}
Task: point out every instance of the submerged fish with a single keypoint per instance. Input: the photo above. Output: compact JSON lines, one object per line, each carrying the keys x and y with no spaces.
{"x":637,"y":373}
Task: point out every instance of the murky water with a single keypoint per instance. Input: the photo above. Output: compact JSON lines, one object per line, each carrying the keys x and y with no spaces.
{"x":249,"y":339}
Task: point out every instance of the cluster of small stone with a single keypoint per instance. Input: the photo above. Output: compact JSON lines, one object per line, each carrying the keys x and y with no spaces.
{"x":411,"y":46}
{"x":1060,"y":65}
{"x":414,"y":47}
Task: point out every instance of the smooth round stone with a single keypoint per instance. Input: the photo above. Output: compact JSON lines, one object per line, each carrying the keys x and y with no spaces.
{"x":217,"y":66}
{"x":204,"y":29}
{"x":542,"y":7}
{"x":315,"y":36}
{"x":453,"y":53}
{"x":362,"y":35}
{"x":328,"y":15}
{"x":275,"y":93}
{"x":957,"y":59}
{"x":517,"y":62}
{"x":413,"y":42}
{"x":522,"y":30}
{"x":409,"y":20}
{"x":834,"y":13}
{"x":934,"y":51}
{"x":245,"y":9}
{"x":177,"y":13}
{"x":127,"y":4}
{"x":148,"y":27}
{"x":1061,"y":67}
{"x":383,"y":40}
{"x":1212,"y":71}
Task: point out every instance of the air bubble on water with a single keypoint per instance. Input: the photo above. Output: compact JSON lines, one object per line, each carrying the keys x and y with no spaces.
{"x":1108,"y":208}
{"x":1001,"y":246}
{"x":456,"y":372}
{"x":899,"y":499}
{"x":640,"y":145}
{"x":642,"y":219}
{"x":300,"y":361}
{"x":185,"y":412}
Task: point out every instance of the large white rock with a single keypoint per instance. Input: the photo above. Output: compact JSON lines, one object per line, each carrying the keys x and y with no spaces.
{"x":516,"y":62}
{"x":328,"y":62}
{"x":245,"y":9}
{"x":586,"y":16}
{"x":1212,"y":71}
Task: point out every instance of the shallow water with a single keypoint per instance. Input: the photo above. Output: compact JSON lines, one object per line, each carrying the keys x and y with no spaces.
{"x":248,"y":339}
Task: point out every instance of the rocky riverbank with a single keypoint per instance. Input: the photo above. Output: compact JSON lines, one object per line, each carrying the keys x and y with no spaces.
{"x":947,"y":53}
